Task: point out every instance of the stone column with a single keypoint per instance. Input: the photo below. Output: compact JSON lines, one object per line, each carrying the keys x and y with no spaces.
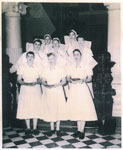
{"x":114,"y":43}
{"x":13,"y":36}
{"x":12,"y":12}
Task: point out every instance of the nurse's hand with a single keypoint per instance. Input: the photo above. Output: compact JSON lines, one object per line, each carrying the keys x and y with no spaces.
{"x":39,"y":81}
{"x":30,"y":84}
{"x":82,"y":81}
{"x":76,"y":81}
{"x":88,"y":79}
{"x":44,"y":82}
{"x":49,"y":86}
{"x":54,"y":85}
{"x":69,"y":79}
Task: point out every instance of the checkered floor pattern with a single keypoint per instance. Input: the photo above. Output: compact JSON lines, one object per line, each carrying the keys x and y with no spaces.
{"x":15,"y":138}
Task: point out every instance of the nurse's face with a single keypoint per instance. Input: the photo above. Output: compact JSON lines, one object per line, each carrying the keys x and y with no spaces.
{"x":55,"y":43}
{"x":77,"y":56}
{"x":36,"y":45}
{"x":47,"y":40}
{"x":72,"y":35}
{"x":51,"y":59}
{"x":30,"y":58}
{"x":80,"y":40}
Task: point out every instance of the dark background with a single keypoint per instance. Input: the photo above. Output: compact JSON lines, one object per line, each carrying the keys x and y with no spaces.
{"x":88,"y":19}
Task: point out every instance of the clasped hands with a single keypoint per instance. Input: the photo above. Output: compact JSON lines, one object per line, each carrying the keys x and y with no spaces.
{"x":75,"y":80}
{"x":44,"y":82}
{"x":22,"y":82}
{"x":27,"y":84}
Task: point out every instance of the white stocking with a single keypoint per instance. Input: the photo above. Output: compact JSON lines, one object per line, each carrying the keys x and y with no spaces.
{"x":82,"y":126}
{"x":52,"y":125}
{"x":58,"y":125}
{"x":27,"y":123}
{"x":35,"y":123}
{"x":78,"y":125}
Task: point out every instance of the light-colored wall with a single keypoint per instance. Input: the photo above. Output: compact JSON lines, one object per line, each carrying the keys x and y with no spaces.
{"x":114,"y":47}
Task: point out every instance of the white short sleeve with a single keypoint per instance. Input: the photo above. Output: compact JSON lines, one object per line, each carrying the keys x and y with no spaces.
{"x":20,"y":71}
{"x":29,"y":46}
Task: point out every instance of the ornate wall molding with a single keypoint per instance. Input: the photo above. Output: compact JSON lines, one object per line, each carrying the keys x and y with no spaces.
{"x":112,"y":6}
{"x":14,"y":7}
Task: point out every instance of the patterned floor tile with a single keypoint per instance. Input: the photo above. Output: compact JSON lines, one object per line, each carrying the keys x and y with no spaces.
{"x":61,"y":143}
{"x":68,"y":146}
{"x":21,"y":134}
{"x":20,"y":142}
{"x":73,"y":141}
{"x":115,"y":141}
{"x":99,"y":140}
{"x":35,"y":143}
{"x":108,"y":138}
{"x":16,"y":138}
{"x":88,"y":134}
{"x":85,"y":147}
{"x":57,"y":139}
{"x":119,"y":145}
{"x":7,"y":145}
{"x":51,"y":145}
{"x":13,"y":136}
{"x":96,"y":146}
{"x":27,"y":136}
{"x":5,"y":137}
{"x":116,"y":136}
{"x":7,"y":141}
{"x":89,"y":142}
{"x":67,"y":137}
{"x":92,"y":136}
{"x":26,"y":145}
{"x":10,"y":132}
{"x":39,"y":146}
{"x":106,"y":144}
{"x":42,"y":138}
{"x":47,"y":141}
{"x":13,"y":147}
{"x":113,"y":146}
{"x":79,"y":144}
{"x":31,"y":140}
{"x":85,"y":139}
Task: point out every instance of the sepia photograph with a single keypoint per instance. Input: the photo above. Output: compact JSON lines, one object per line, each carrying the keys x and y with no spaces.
{"x":61,"y":74}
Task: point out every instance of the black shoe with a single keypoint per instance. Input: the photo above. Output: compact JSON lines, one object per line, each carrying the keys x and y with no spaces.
{"x":50,"y":133}
{"x":36,"y":132}
{"x":81,"y":135}
{"x":58,"y":133}
{"x":76,"y":134}
{"x":28,"y":132}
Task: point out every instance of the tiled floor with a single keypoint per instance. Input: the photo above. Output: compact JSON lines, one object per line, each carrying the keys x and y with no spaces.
{"x":15,"y":138}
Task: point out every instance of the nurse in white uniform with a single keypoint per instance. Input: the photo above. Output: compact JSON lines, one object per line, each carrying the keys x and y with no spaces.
{"x":30,"y":96}
{"x":80,"y":104}
{"x":54,"y":101}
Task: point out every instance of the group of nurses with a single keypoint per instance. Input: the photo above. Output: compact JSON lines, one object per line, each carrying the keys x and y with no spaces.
{"x":54,"y":80}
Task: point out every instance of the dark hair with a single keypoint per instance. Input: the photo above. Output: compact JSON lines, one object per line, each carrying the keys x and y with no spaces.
{"x":37,"y":40}
{"x":30,"y":52}
{"x":73,"y":32}
{"x":47,"y":35}
{"x":49,"y":54}
{"x":56,"y":39}
{"x":80,"y":36}
{"x":77,"y":50}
